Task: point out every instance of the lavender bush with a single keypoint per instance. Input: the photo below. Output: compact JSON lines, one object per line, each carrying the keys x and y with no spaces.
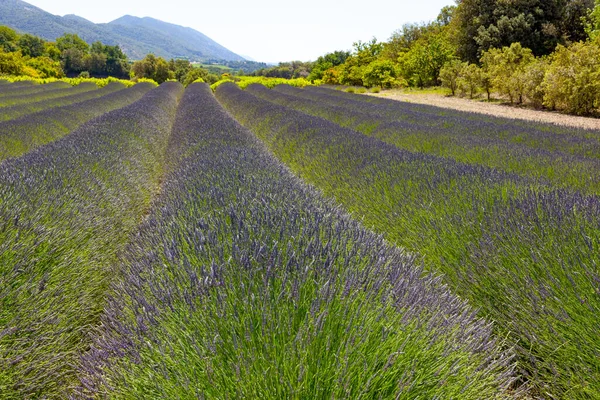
{"x":21,"y":135}
{"x":524,"y":252}
{"x":243,"y":282}
{"x":66,"y":212}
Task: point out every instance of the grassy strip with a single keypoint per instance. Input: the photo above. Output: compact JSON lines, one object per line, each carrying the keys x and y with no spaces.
{"x":66,"y":212}
{"x":21,"y":135}
{"x":469,"y":145}
{"x":526,"y":254}
{"x":8,"y":113}
{"x":244,"y":283}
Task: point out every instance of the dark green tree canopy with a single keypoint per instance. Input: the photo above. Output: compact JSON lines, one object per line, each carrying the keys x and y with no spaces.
{"x":72,"y":41}
{"x":31,"y":46}
{"x":537,"y":24}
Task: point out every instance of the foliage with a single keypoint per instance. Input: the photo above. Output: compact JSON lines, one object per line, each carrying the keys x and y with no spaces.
{"x":11,"y":63}
{"x":421,"y":64}
{"x":469,"y":80}
{"x":507,"y":68}
{"x":31,"y":46}
{"x":479,"y":25}
{"x":592,"y":22}
{"x":70,"y":41}
{"x":70,"y":55}
{"x":450,"y":74}
{"x":352,"y":71}
{"x":534,"y":75}
{"x":327,"y":62}
{"x":572,"y":80}
{"x":8,"y":39}
{"x":152,"y":67}
{"x":382,"y":73}
{"x":286,"y":70}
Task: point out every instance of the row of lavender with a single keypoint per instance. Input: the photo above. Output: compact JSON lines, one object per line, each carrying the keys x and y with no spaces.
{"x":35,"y":105}
{"x":56,"y":92}
{"x":66,"y":212}
{"x":27,"y":87}
{"x":565,"y":157}
{"x":21,"y":135}
{"x":245,"y":283}
{"x":524,"y":252}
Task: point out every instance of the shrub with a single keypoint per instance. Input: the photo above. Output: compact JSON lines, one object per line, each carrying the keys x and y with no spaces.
{"x":506,"y":66}
{"x":572,"y":81}
{"x":450,"y":74}
{"x":469,"y":80}
{"x":382,"y":73}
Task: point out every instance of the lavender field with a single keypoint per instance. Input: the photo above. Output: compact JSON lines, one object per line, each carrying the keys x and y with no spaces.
{"x":171,"y":242}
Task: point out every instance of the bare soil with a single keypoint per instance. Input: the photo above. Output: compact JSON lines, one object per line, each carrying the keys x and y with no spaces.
{"x":495,"y":109}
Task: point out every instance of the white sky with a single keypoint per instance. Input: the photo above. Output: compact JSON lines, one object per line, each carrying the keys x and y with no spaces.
{"x":269,"y":31}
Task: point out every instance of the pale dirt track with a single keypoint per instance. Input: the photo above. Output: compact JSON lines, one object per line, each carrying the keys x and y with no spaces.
{"x":497,"y":110}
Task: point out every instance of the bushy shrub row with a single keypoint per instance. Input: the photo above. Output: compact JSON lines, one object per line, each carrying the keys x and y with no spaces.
{"x":568,"y":80}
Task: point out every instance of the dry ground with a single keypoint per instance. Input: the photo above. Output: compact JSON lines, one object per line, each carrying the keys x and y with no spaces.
{"x":495,"y":109}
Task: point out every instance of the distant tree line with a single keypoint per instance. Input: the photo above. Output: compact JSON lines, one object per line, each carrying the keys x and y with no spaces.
{"x":161,"y":70}
{"x":543,"y":53}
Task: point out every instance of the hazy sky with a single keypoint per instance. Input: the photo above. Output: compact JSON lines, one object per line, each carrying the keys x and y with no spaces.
{"x":270,"y":30}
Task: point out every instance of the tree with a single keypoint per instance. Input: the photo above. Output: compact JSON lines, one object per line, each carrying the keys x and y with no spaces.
{"x":11,"y":63}
{"x":421,"y":65}
{"x":572,"y":80}
{"x":592,"y":25}
{"x":380,"y":73}
{"x":152,"y":67}
{"x":73,"y":60}
{"x":31,"y":46}
{"x":469,"y":80}
{"x":537,"y":24}
{"x":8,"y":39}
{"x":352,"y":71}
{"x":72,"y":41}
{"x":46,"y":67}
{"x":533,"y":75}
{"x":180,"y":68}
{"x":52,"y":51}
{"x":95,"y":63}
{"x":574,"y":20}
{"x":450,"y":74}
{"x":507,"y":66}
{"x":194,"y":74}
{"x":325,"y":62}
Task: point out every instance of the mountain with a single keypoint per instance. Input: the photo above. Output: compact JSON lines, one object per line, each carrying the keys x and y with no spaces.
{"x":136,"y":36}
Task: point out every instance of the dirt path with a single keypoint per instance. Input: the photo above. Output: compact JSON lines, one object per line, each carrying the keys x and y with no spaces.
{"x":497,"y":110}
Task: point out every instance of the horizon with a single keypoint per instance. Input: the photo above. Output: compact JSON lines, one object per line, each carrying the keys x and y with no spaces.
{"x":255,"y":32}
